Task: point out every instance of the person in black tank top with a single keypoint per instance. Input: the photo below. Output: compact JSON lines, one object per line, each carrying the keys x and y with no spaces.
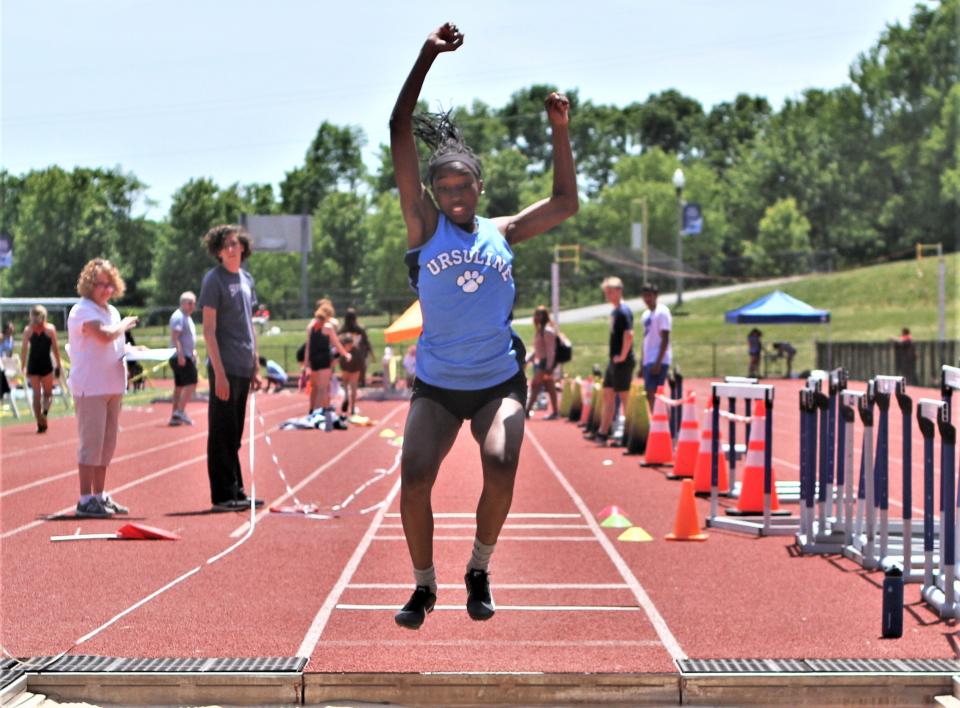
{"x":39,"y":342}
{"x":321,"y":333}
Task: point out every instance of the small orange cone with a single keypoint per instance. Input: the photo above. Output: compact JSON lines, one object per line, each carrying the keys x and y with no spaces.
{"x":688,"y":441}
{"x":702,"y":472}
{"x":751,"y":491}
{"x":659,"y":443}
{"x":686,"y":527}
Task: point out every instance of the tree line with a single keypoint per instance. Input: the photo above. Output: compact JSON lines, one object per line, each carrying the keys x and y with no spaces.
{"x":861,"y":172}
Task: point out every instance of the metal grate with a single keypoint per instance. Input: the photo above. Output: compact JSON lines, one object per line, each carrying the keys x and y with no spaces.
{"x":101,"y":664}
{"x":741,"y":666}
{"x":766,"y":666}
{"x":884,"y":665}
{"x":8,"y":675}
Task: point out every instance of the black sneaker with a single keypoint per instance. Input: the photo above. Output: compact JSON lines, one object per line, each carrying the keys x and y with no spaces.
{"x":479,"y":600}
{"x":244,"y":501}
{"x":417,"y":608}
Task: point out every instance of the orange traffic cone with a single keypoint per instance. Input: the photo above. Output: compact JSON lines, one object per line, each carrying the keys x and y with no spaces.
{"x":702,"y":472}
{"x":688,"y":442}
{"x":686,"y":527}
{"x":751,"y":492}
{"x":659,"y":443}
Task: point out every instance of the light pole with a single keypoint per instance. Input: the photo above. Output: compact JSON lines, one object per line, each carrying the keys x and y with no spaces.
{"x":678,"y":182}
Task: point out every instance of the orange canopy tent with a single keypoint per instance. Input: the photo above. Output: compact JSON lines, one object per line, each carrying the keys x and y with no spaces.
{"x":407,"y":326}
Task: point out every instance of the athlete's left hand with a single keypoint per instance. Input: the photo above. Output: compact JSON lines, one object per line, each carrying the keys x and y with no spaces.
{"x":558,"y":109}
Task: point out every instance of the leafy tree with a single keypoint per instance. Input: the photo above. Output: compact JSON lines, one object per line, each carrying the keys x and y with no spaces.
{"x":333,"y":161}
{"x":63,"y":219}
{"x":729,"y":126}
{"x":383,"y":270}
{"x":340,"y":242}
{"x":671,"y":121}
{"x":783,"y":245}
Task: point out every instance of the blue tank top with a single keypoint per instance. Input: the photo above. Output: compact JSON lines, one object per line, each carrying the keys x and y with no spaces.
{"x":466,"y":289}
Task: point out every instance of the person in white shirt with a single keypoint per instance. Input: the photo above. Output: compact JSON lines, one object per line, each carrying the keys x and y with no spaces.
{"x":657,"y":353}
{"x":183,"y":337}
{"x":98,"y":379}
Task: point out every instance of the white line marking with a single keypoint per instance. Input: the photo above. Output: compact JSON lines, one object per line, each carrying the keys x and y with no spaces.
{"x":320,"y":470}
{"x":319,"y":623}
{"x":501,"y":538}
{"x":500,"y":586}
{"x":659,"y":624}
{"x":511,"y":515}
{"x":493,"y":643}
{"x":506,"y":526}
{"x":123,"y":458}
{"x":68,"y":441}
{"x":505,"y":608}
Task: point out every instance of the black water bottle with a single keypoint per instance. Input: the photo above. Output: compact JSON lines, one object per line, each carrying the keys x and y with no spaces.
{"x":893,"y":602}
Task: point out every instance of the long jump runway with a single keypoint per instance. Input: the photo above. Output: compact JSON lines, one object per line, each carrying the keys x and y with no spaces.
{"x":571,"y":598}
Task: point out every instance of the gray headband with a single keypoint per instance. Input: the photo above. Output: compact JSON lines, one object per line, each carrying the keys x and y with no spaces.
{"x":467,"y":159}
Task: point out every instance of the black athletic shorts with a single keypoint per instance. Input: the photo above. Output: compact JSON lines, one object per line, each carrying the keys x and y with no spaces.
{"x":185,"y":375}
{"x":465,"y":404}
{"x":618,"y":376}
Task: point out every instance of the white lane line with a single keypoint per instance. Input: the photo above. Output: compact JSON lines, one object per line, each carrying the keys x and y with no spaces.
{"x":500,"y":586}
{"x":320,"y":470}
{"x":511,"y":515}
{"x":659,"y":624}
{"x":69,"y":441}
{"x":123,"y":458}
{"x":506,"y":526}
{"x":505,"y":608}
{"x":501,"y":538}
{"x":129,"y":485}
{"x":312,"y":636}
{"x":493,"y":643}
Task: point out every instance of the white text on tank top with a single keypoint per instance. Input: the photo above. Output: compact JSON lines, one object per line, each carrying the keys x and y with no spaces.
{"x":466,"y":290}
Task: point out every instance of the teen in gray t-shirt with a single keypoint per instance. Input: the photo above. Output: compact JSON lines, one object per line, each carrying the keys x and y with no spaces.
{"x":234,"y":297}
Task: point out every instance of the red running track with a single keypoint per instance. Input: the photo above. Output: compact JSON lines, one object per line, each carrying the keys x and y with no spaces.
{"x":570,"y":596}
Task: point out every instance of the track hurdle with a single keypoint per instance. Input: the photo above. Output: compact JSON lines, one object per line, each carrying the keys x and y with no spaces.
{"x":732,"y":449}
{"x":862,"y":546}
{"x":769,"y":525}
{"x":939,"y":588}
{"x":846,"y":501}
{"x":819,"y":532}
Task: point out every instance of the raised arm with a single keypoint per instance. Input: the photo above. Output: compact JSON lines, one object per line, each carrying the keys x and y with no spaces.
{"x":419,"y":211}
{"x":564,"y":200}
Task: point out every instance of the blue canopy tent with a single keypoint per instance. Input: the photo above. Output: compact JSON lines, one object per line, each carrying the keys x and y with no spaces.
{"x":777,"y":308}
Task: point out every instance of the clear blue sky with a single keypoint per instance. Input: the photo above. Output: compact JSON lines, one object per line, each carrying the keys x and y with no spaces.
{"x":175,"y":89}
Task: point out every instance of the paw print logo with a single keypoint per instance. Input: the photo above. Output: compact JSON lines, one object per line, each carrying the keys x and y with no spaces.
{"x":470,"y":281}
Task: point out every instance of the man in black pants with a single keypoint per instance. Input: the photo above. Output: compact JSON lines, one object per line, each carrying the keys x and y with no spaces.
{"x":227,"y":299}
{"x":616,"y":380}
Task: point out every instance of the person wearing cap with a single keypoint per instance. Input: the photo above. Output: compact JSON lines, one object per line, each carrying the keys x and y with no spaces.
{"x":616,"y":379}
{"x":657,"y":353}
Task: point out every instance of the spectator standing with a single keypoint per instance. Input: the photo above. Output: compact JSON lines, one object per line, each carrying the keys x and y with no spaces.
{"x":657,"y":352}
{"x":754,"y":348}
{"x":362,"y":349}
{"x":183,"y":337}
{"x":6,"y":347}
{"x":98,"y":379}
{"x":39,"y":344}
{"x":350,"y":369}
{"x":410,"y":366}
{"x":616,"y":379}
{"x":787,"y":351}
{"x":544,"y":358}
{"x":906,"y":355}
{"x":321,"y":338}
{"x":227,"y":299}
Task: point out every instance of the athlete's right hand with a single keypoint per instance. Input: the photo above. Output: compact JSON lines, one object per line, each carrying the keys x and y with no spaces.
{"x":446,"y":38}
{"x":222,"y":386}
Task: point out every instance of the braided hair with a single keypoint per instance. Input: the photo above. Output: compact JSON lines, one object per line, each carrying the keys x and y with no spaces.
{"x":445,"y":140}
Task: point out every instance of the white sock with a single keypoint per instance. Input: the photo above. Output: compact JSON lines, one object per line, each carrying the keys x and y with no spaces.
{"x":480,"y":559}
{"x":427,"y":577}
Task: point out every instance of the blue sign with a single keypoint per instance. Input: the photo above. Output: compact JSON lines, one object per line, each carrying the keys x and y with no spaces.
{"x":692,"y":218}
{"x":6,"y":251}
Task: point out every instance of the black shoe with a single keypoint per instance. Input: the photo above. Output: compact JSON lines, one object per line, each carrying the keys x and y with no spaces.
{"x":244,"y":500}
{"x":417,"y":608}
{"x":479,"y":600}
{"x":230,"y":505}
